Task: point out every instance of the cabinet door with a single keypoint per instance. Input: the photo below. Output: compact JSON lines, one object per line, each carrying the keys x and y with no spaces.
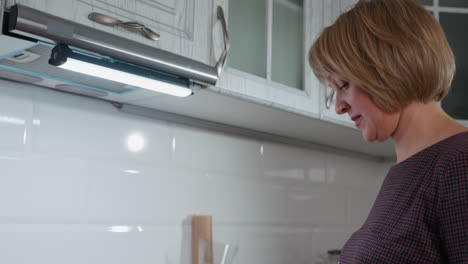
{"x":267,"y":62}
{"x":185,"y":26}
{"x":332,"y":9}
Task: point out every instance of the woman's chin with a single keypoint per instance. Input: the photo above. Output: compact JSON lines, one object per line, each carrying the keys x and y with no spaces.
{"x":372,"y":137}
{"x":368,"y":137}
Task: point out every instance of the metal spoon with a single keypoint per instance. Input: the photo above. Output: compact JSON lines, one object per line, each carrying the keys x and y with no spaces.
{"x":112,"y":21}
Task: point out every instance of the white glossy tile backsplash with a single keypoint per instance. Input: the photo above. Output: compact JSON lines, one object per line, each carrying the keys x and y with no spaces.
{"x":292,"y":163}
{"x":82,"y":182}
{"x":215,"y":152}
{"x":350,"y":171}
{"x":318,"y":205}
{"x":16,"y":112}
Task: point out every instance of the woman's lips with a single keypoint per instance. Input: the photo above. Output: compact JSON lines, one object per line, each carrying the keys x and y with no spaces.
{"x":357,"y":120}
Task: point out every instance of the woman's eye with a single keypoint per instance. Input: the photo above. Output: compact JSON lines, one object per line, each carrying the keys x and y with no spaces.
{"x":343,"y":86}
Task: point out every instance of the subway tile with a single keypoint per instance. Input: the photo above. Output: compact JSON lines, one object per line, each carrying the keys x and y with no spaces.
{"x":11,"y":168}
{"x":360,"y":204}
{"x":293,"y":163}
{"x":211,"y":151}
{"x":382,"y":170}
{"x":315,"y":205}
{"x":44,"y":189}
{"x":245,"y":200}
{"x":121,"y":197}
{"x":192,"y":193}
{"x":345,"y":170}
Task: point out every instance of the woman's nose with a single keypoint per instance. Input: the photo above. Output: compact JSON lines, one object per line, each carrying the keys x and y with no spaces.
{"x":341,"y":106}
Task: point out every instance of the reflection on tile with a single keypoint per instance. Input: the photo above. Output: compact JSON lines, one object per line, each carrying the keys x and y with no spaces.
{"x":120,"y":229}
{"x":132,"y":171}
{"x":173,"y":145}
{"x":12,"y":120}
{"x":291,"y":174}
{"x":135,"y":142}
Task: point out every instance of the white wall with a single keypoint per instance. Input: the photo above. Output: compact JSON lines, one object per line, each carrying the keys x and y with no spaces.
{"x":68,"y":180}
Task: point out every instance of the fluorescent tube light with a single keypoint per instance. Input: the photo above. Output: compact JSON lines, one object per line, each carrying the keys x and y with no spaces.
{"x":65,"y":58}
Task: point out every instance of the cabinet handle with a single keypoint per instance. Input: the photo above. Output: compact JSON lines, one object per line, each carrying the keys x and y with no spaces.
{"x":112,"y":21}
{"x":329,"y":99}
{"x":222,"y":59}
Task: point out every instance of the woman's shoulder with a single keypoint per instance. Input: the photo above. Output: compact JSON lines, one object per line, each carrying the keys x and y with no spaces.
{"x":439,"y":154}
{"x":453,"y":145}
{"x":452,"y":151}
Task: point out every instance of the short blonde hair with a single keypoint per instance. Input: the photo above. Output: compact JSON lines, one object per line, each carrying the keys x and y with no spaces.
{"x":395,"y":50}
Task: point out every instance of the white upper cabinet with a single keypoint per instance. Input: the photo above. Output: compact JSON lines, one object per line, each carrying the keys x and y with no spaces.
{"x":184,"y":26}
{"x":267,"y":60}
{"x":332,"y":9}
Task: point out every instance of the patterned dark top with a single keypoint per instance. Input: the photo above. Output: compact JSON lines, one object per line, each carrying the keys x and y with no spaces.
{"x":421,"y":212}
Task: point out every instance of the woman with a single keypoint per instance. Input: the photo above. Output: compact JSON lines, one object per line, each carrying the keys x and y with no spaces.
{"x":389,"y":63}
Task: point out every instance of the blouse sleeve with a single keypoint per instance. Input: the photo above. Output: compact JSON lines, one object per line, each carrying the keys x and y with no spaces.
{"x":453,"y":210}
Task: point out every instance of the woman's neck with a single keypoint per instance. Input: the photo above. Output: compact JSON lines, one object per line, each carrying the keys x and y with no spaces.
{"x":420,"y":126}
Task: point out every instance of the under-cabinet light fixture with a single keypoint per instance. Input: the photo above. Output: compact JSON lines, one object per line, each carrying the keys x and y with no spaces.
{"x":62,"y":56}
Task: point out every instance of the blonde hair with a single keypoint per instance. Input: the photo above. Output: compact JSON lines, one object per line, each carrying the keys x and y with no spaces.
{"x":393,"y":49}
